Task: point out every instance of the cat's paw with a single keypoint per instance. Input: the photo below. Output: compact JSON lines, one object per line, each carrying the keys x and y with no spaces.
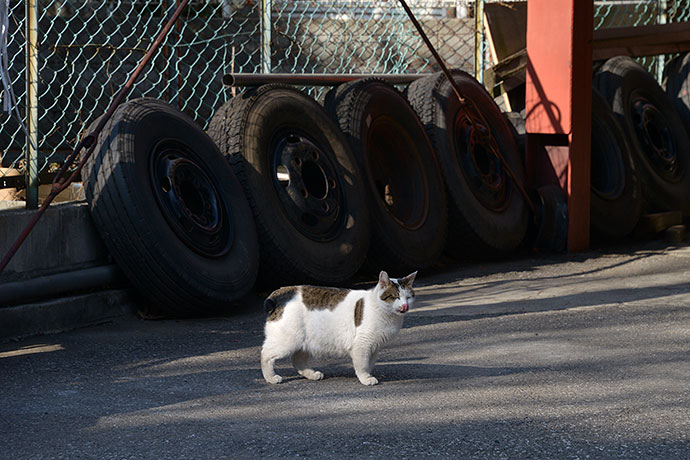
{"x":314,"y":375}
{"x":274,"y":379}
{"x":371,"y":380}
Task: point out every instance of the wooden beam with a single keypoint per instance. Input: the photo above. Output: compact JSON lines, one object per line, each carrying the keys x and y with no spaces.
{"x":635,"y":41}
{"x":641,"y":40}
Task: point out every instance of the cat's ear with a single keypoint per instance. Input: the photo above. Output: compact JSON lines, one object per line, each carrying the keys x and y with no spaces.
{"x":409,"y":279}
{"x":384,"y":280}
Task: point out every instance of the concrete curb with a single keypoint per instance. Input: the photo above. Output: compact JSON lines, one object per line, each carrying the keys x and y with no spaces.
{"x":64,"y":240}
{"x":66,"y":313}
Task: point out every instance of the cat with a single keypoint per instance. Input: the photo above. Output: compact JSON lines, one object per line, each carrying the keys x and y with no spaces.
{"x":306,"y":321}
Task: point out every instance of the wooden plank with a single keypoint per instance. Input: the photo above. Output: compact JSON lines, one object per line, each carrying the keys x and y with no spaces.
{"x":652,"y":224}
{"x":507,"y":26}
{"x":676,"y":234}
{"x":619,"y":41}
{"x":641,"y":40}
{"x":648,"y":40}
{"x":511,"y":66}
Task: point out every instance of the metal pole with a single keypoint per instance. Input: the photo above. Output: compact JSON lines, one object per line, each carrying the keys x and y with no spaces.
{"x":479,"y":41}
{"x":266,"y":6}
{"x":176,"y":61}
{"x":432,"y":50}
{"x":662,"y":18}
{"x":31,"y":153}
{"x":313,"y":79}
{"x":60,"y":283}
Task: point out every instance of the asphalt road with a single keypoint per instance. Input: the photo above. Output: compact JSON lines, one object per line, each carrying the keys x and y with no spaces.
{"x":569,"y":357}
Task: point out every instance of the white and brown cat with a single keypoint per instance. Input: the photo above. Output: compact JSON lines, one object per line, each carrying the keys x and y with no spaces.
{"x":309,"y":321}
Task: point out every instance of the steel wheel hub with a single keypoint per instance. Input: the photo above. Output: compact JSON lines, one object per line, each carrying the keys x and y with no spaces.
{"x":652,"y":130}
{"x":477,"y":158}
{"x":189,"y":200}
{"x":308,"y":186}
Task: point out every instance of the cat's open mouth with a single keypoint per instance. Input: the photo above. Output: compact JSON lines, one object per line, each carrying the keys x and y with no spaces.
{"x":404,"y":308}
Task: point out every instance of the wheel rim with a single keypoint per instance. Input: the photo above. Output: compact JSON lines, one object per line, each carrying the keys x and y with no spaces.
{"x":189,"y":200}
{"x":478,"y":161}
{"x":607,"y":176}
{"x":307,"y":185}
{"x":652,"y":131}
{"x":396,"y":171}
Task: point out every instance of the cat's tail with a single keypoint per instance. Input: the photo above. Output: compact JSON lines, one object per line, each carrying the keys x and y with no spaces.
{"x":269,"y":305}
{"x":275,"y":302}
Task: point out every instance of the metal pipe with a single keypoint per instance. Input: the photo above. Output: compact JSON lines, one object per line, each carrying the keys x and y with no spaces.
{"x":314,"y":79}
{"x":60,"y":283}
{"x":479,"y":41}
{"x":266,"y":6}
{"x":31,"y":153}
{"x":433,"y":51}
{"x":662,"y":18}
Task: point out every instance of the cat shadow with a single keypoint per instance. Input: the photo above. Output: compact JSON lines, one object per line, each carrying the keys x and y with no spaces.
{"x":388,"y":371}
{"x":399,"y":370}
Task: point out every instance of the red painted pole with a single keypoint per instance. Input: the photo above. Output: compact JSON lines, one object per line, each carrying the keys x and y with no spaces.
{"x":558,"y":104}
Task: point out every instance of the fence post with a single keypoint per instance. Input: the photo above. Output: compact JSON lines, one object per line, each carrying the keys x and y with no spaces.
{"x":266,"y":6}
{"x":662,"y":18}
{"x":479,"y":40}
{"x":31,"y":152}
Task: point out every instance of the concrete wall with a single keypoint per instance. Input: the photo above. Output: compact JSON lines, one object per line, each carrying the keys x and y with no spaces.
{"x":64,"y":239}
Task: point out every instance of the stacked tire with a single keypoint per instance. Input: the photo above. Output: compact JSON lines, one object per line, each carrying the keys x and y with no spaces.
{"x":616,"y":193}
{"x":488,"y":216}
{"x":287,"y":191}
{"x":303,"y":185}
{"x":400,"y":171}
{"x":659,"y":142}
{"x":170,"y":210}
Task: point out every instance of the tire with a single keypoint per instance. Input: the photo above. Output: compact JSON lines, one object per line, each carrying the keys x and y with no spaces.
{"x":551,"y":228}
{"x":302,"y":183}
{"x":616,"y":195}
{"x":170,"y":210}
{"x":660,"y":144}
{"x":487,"y":214}
{"x":677,"y":85}
{"x":403,"y":181}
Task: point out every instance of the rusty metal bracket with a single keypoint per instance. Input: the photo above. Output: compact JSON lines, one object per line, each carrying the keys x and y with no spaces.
{"x":61,"y":182}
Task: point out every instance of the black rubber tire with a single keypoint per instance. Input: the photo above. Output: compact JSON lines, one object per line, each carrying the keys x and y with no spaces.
{"x":659,"y":141}
{"x":403,"y":180}
{"x":616,"y":195}
{"x":170,"y":210}
{"x":300,"y":242}
{"x":677,"y":85}
{"x":496,"y":223}
{"x":551,"y":228}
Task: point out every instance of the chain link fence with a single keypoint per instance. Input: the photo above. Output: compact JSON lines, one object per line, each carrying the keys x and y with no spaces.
{"x":88,"y":48}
